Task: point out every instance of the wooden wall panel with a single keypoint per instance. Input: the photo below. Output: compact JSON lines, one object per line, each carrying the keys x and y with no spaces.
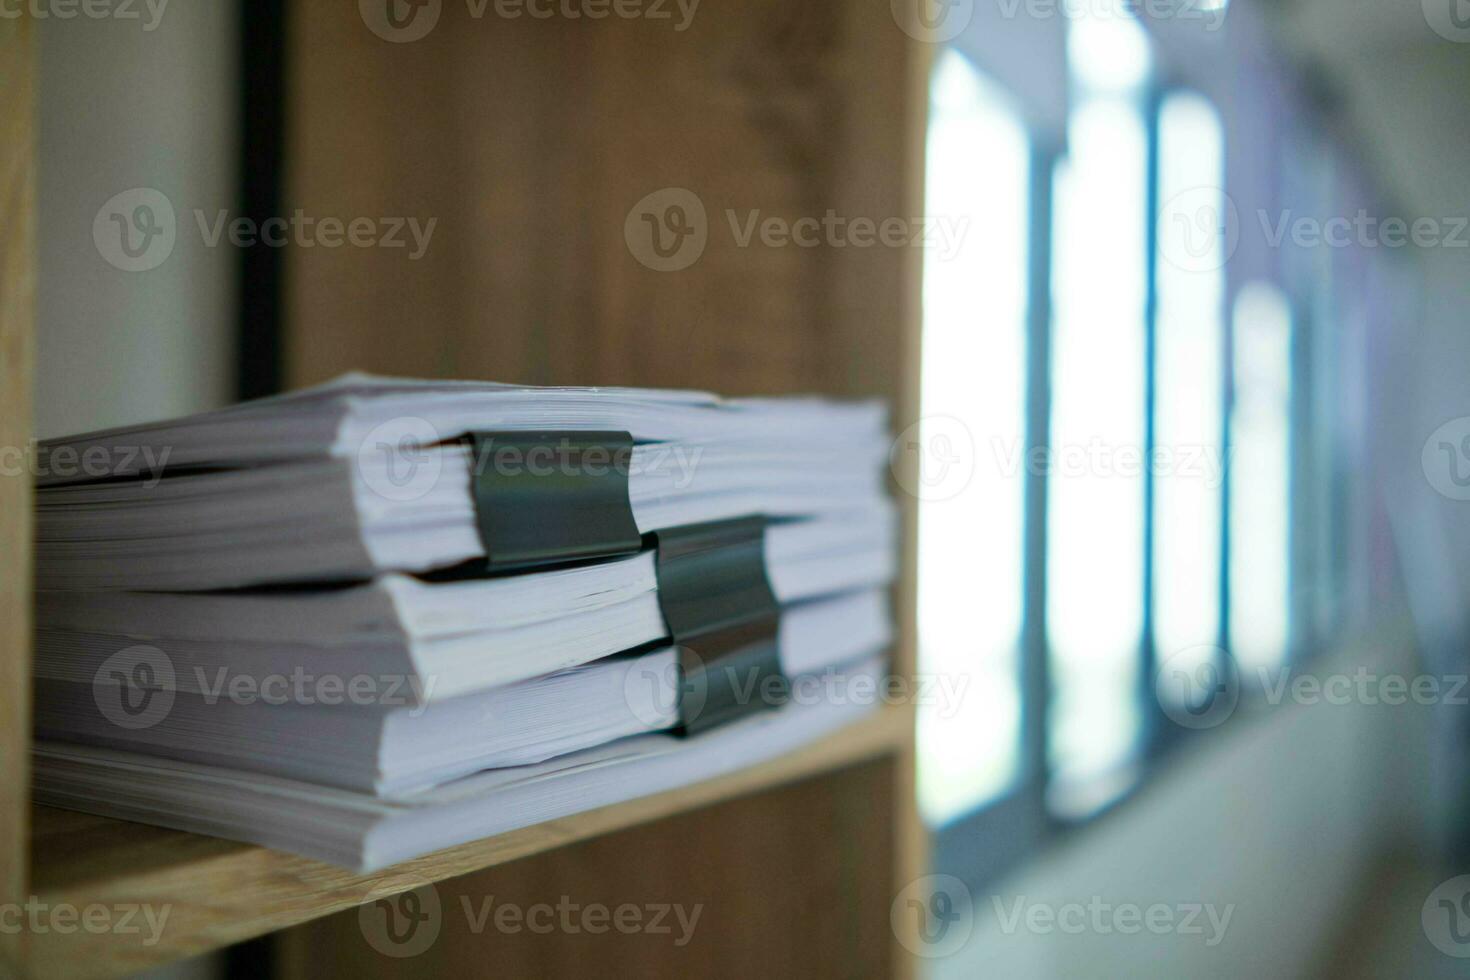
{"x":17,"y":315}
{"x":800,"y":901}
{"x":530,"y":140}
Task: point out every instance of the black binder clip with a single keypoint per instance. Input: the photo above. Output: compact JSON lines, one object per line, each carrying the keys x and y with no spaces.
{"x":552,"y":496}
{"x":724,"y":620}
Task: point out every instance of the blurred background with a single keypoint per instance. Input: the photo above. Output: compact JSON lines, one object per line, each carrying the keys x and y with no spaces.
{"x":1192,"y":401}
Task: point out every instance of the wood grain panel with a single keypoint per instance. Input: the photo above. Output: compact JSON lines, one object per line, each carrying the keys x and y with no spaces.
{"x":797,"y":903}
{"x":529,"y":141}
{"x":17,"y":314}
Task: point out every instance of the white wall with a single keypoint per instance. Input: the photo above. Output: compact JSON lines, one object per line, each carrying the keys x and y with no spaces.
{"x":1282,"y":815}
{"x":124,"y":107}
{"x":121,"y":107}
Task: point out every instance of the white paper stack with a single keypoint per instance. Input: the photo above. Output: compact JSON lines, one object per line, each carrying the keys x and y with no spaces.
{"x":282,"y":622}
{"x":317,"y":486}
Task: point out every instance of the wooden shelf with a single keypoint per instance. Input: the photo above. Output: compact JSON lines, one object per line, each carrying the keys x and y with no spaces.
{"x":838,"y":119}
{"x":222,"y":892}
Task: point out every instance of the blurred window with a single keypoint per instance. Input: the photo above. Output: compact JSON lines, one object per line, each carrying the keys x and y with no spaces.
{"x":1095,"y":519}
{"x":973,"y":402}
{"x":1188,"y":463}
{"x":1260,"y":434}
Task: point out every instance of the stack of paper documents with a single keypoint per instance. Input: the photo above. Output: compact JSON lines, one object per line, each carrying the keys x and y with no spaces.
{"x":378,"y":618}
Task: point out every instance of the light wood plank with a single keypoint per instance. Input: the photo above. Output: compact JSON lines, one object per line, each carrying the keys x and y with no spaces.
{"x":220,"y":892}
{"x":17,"y":313}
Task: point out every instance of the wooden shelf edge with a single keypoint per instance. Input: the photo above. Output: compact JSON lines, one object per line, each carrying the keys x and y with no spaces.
{"x":221,"y":892}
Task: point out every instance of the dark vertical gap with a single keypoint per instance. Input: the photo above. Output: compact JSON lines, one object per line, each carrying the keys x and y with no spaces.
{"x":1155,"y":726}
{"x":262,"y":156}
{"x":258,"y":365}
{"x":254,"y":959}
{"x":1035,"y":669}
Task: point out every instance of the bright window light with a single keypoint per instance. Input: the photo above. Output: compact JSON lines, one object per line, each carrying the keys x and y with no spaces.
{"x":1189,"y":461}
{"x":1095,"y":494}
{"x":974,"y":369}
{"x":1107,"y":49}
{"x":1260,"y":478}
